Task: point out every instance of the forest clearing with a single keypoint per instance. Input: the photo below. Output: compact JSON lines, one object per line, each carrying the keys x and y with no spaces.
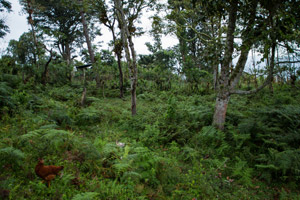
{"x":216,"y":116}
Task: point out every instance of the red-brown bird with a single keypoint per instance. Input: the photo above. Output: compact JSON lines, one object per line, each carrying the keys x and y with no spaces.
{"x":47,"y":172}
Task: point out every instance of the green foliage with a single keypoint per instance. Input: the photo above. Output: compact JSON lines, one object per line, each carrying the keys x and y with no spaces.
{"x":86,"y":196}
{"x":6,"y":96}
{"x":11,"y":156}
{"x":170,"y":152}
{"x":89,"y":116}
{"x":275,"y":132}
{"x":242,"y":172}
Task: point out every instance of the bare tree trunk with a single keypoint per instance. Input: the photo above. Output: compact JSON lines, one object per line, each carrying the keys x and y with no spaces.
{"x":46,"y":71}
{"x":120,"y":76}
{"x":67,"y":54}
{"x":89,"y":43}
{"x":220,"y":110}
{"x":254,"y":68}
{"x":86,"y":35}
{"x":215,"y":76}
{"x":133,"y":75}
{"x":83,"y":97}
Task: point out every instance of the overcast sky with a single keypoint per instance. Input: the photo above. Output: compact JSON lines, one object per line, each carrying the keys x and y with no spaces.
{"x":17,"y":22}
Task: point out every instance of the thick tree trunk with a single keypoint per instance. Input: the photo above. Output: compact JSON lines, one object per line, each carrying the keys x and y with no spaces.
{"x":220,"y":110}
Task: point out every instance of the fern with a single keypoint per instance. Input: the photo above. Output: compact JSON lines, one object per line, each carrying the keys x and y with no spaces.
{"x":89,"y":116}
{"x":12,"y":156}
{"x":47,"y":141}
{"x":242,"y":172}
{"x":86,"y":196}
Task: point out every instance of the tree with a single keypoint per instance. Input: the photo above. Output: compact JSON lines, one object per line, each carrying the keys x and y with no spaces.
{"x":59,"y":19}
{"x":126,"y":18}
{"x":197,"y":25}
{"x":108,"y":18}
{"x":4,"y":5}
{"x":258,"y":22}
{"x":24,"y":50}
{"x":28,"y":7}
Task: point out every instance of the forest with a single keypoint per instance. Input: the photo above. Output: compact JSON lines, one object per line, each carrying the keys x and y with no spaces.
{"x":216,"y":116}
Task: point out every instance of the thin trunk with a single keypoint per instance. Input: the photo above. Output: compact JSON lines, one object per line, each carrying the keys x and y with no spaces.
{"x":269,"y":78}
{"x":68,"y":54}
{"x":46,"y":71}
{"x":118,"y":51}
{"x":217,"y":52}
{"x":36,"y":46}
{"x":133,"y":77}
{"x":215,"y":76}
{"x":89,"y":43}
{"x":83,"y":97}
{"x":254,"y":68}
{"x":120,"y":76}
{"x":87,"y":36}
{"x":30,"y":20}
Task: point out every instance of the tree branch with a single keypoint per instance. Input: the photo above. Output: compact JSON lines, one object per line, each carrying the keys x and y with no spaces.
{"x":288,"y":62}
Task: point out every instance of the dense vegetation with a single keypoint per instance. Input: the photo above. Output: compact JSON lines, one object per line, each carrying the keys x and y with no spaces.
{"x":171,"y":150}
{"x":148,"y":128}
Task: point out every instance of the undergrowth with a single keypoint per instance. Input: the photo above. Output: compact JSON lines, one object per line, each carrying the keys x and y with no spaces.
{"x":169,"y":149}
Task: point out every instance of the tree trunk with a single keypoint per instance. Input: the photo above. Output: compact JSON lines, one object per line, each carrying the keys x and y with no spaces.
{"x":220,"y":111}
{"x":133,"y":75}
{"x":89,"y":43}
{"x":215,"y":76}
{"x":120,"y":76}
{"x":46,"y":71}
{"x":118,"y":51}
{"x":83,"y":97}
{"x":67,"y":53}
{"x":87,"y":36}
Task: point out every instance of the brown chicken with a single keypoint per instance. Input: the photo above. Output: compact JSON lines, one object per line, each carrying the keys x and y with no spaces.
{"x":47,"y":172}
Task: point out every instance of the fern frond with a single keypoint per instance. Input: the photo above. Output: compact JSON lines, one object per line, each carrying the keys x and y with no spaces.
{"x":10,"y":155}
{"x":86,"y":196}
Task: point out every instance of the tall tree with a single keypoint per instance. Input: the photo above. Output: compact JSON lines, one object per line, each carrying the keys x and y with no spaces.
{"x":59,"y":19}
{"x":257,"y":21}
{"x":28,"y":7}
{"x":197,"y":25}
{"x":108,"y":18}
{"x":86,"y":30}
{"x":127,"y":17}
